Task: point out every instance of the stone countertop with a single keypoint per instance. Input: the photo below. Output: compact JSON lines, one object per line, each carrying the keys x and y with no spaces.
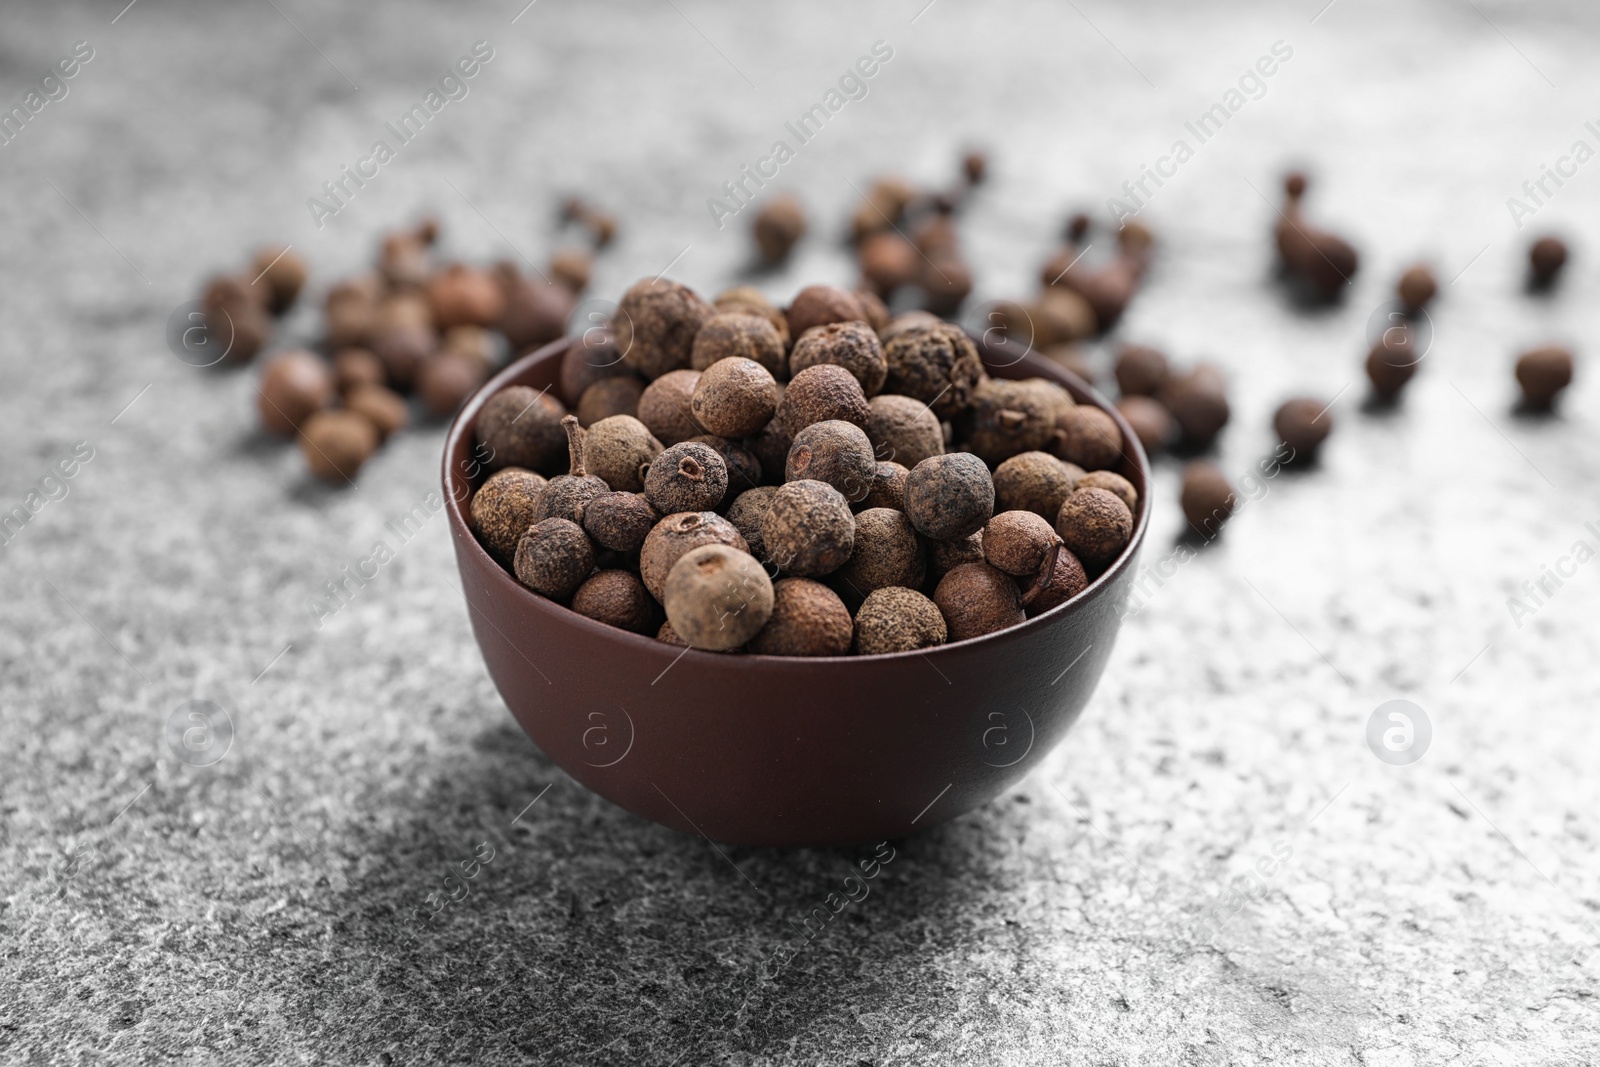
{"x":1212,"y":869}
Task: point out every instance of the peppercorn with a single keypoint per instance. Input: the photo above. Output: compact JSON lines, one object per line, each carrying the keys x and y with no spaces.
{"x":667,"y":407}
{"x":1416,"y":288}
{"x":778,"y":227}
{"x":619,"y":521}
{"x":818,"y":305}
{"x":977,"y":599}
{"x":608,"y":397}
{"x":618,"y":449}
{"x":284,"y":273}
{"x":897,"y":620}
{"x":1323,"y":261}
{"x":1207,"y":500}
{"x":521,"y":427}
{"x":463,"y":295}
{"x":808,"y":619}
{"x":936,"y":364}
{"x":294,"y":385}
{"x":883,"y":206}
{"x":676,"y":534}
{"x":946,"y":281}
{"x":808,"y":529}
{"x":1061,"y":316}
{"x":877,"y":312}
{"x":1017,"y":542}
{"x":686,"y":477}
{"x":445,"y":380}
{"x":734,"y":397}
{"x":1303,"y":423}
{"x":1095,"y":524}
{"x":471,"y":342}
{"x":1034,"y":481}
{"x":851,"y":345}
{"x":616,"y":598}
{"x":358,"y":366}
{"x":1150,"y":421}
{"x":748,"y":300}
{"x":836,"y":452}
{"x":819,"y":394}
{"x":904,"y":321}
{"x":384,"y":408}
{"x":744,"y":469}
{"x":888,"y":488}
{"x":1060,"y":578}
{"x":236,"y":318}
{"x":403,"y":260}
{"x":591,"y":356}
{"x":1140,"y":370}
{"x":1393,"y":361}
{"x":347,"y":312}
{"x":402,"y":348}
{"x":655,"y":325}
{"x":903,"y":430}
{"x":1071,"y":359}
{"x":946,"y":556}
{"x":337,"y":443}
{"x":1087,"y":436}
{"x":1007,"y":418}
{"x":888,"y":262}
{"x":717,"y":597}
{"x":668,"y":636}
{"x":571,"y":268}
{"x":743,"y":334}
{"x":745,"y":514}
{"x":1198,"y":402}
{"x":503,"y":508}
{"x":1543,"y":373}
{"x":554,"y":557}
{"x":1546,"y":257}
{"x":949,"y":496}
{"x":771,"y":449}
{"x":1111,"y":482}
{"x":886,"y":552}
{"x":568,"y":494}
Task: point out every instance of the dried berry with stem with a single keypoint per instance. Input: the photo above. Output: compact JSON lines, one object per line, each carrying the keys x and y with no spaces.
{"x":568,"y":494}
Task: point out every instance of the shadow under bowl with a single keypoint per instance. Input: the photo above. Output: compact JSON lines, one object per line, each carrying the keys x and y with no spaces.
{"x":785,"y":751}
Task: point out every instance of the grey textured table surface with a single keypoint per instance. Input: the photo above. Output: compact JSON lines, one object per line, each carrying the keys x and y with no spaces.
{"x":1439,"y":913}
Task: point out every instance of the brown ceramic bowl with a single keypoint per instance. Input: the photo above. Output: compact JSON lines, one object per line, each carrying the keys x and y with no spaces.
{"x":768,"y":750}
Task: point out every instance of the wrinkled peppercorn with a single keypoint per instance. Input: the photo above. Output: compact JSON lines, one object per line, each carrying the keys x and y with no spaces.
{"x":818,"y":305}
{"x":503,"y":508}
{"x":616,"y":598}
{"x":936,"y":364}
{"x":1095,"y":524}
{"x":521,"y":427}
{"x":666,"y":407}
{"x":734,"y":397}
{"x":808,"y":529}
{"x":619,"y":521}
{"x":898,"y":620}
{"x":821,"y":393}
{"x":949,"y":496}
{"x":851,"y":345}
{"x":686,"y":477}
{"x":1036,"y":482}
{"x":743,"y":335}
{"x":655,"y":326}
{"x":1017,"y":542}
{"x":554,"y":557}
{"x":618,"y":450}
{"x":674,"y":535}
{"x":835,"y":452}
{"x":977,"y":599}
{"x":808,"y":619}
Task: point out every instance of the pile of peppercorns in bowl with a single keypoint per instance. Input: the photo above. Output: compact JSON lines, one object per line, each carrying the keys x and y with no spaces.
{"x":816,"y":480}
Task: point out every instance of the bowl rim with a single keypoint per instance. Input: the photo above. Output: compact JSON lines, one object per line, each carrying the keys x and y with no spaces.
{"x":462,"y":526}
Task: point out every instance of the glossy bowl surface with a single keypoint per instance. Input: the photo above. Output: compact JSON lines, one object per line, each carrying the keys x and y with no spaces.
{"x":767,"y":750}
